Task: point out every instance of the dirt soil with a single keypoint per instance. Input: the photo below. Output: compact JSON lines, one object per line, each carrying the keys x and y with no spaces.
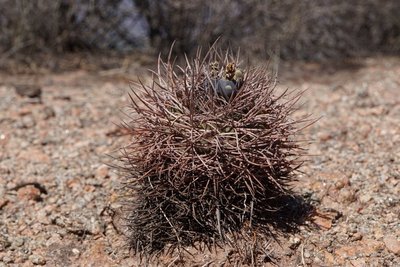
{"x":59,"y":203}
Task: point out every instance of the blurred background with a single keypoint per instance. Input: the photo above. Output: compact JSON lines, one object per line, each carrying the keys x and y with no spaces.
{"x":306,"y":29}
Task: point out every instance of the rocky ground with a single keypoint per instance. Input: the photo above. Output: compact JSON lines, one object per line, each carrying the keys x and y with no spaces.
{"x":59,"y":202}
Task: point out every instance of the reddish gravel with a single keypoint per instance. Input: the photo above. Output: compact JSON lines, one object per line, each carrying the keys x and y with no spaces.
{"x":59,"y":202}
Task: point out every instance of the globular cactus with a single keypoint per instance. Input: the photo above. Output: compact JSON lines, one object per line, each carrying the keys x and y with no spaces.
{"x":229,"y":84}
{"x":212,"y":150}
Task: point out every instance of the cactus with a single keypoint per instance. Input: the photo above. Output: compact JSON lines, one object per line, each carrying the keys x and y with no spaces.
{"x":204,"y":162}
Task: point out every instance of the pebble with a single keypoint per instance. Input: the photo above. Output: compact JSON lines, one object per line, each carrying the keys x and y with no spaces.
{"x":18,"y":242}
{"x":26,"y":122}
{"x":43,"y":217}
{"x":28,"y":90}
{"x":76,"y":252}
{"x":4,"y":243}
{"x":294,"y":242}
{"x":343,"y":182}
{"x":37,"y":259}
{"x":35,"y":155}
{"x":54,"y":239}
{"x":102,"y":172}
{"x":325,"y":136}
{"x":289,"y":252}
{"x":8,"y":259}
{"x":364,"y":197}
{"x":322,"y":222}
{"x":356,"y":237}
{"x":392,"y":244}
{"x":29,"y":192}
{"x":80,"y":223}
{"x":47,"y":113}
{"x":362,"y":92}
{"x":346,"y":195}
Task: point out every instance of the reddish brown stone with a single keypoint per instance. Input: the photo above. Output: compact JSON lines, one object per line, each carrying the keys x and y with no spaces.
{"x":392,"y":244}
{"x":34,"y":155}
{"x":28,"y":192}
{"x":102,"y":172}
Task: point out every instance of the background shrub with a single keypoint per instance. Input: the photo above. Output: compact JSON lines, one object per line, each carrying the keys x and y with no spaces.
{"x":303,"y":29}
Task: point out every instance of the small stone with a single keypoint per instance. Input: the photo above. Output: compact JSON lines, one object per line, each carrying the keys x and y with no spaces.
{"x":8,"y":259}
{"x":26,"y":122}
{"x":80,"y":223}
{"x":34,"y":155}
{"x":362,"y":92}
{"x":18,"y":242}
{"x":294,"y":242}
{"x":43,"y":217}
{"x":325,"y":136}
{"x":4,"y":243}
{"x":63,"y":97}
{"x":322,"y":222}
{"x":29,"y":193}
{"x":342,"y":183}
{"x":392,"y":244}
{"x":356,"y":237}
{"x":47,"y":113}
{"x":288,"y":252}
{"x":29,"y":90}
{"x":365,"y":130}
{"x":352,"y":228}
{"x":370,"y":246}
{"x":102,"y":172}
{"x":54,"y":239}
{"x":24,"y":111}
{"x":96,"y":227}
{"x":37,"y":260}
{"x":4,"y":139}
{"x":339,"y":185}
{"x":360,"y":262}
{"x":346,"y":195}
{"x":329,"y":258}
{"x":347,"y":251}
{"x":326,"y":243}
{"x":76,"y":252}
{"x":365,"y":198}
